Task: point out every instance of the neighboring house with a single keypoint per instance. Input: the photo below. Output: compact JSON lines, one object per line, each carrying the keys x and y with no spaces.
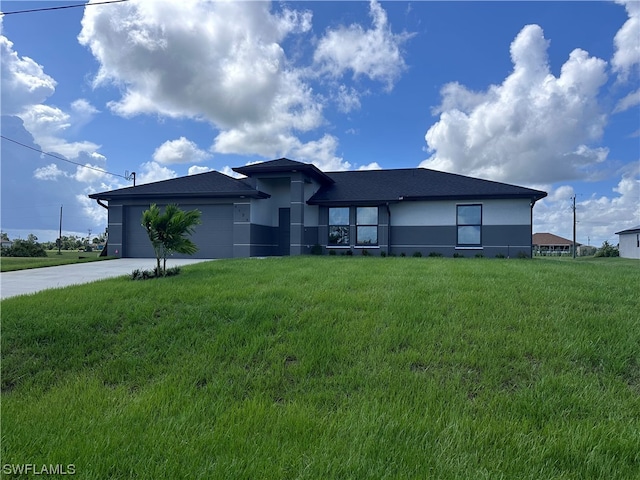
{"x":6,"y":244}
{"x":550,"y":244}
{"x":284,"y":207}
{"x":629,"y":243}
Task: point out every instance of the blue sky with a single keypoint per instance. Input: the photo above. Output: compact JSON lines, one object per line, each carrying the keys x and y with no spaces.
{"x":539,"y":94}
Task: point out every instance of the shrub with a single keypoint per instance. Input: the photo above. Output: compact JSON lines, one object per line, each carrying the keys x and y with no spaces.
{"x":522,"y":254}
{"x":349,"y":253}
{"x":435,"y":254}
{"x":607,"y":250}
{"x":138,"y":274}
{"x":316,"y":250}
{"x":417,"y":254}
{"x":458,"y":255}
{"x":332,"y":252}
{"x":500,"y":255}
{"x":25,"y":248}
{"x":383,"y":254}
{"x":403,"y":254}
{"x":479,"y":255}
{"x":365,"y":253}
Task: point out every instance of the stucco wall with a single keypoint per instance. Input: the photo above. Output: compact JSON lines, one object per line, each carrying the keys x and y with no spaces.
{"x":628,"y":245}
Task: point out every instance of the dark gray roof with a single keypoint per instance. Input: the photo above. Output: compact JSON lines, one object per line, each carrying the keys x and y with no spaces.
{"x":209,"y":184}
{"x":635,"y":229}
{"x":284,"y":165}
{"x":338,"y":188}
{"x":381,"y":186}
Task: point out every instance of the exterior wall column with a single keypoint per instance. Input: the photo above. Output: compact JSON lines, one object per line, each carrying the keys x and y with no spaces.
{"x":115,"y":231}
{"x":242,"y":228}
{"x":384,"y":229}
{"x":297,"y":214}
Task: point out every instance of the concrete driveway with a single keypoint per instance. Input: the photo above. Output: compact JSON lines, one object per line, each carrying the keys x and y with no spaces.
{"x":34,"y":280}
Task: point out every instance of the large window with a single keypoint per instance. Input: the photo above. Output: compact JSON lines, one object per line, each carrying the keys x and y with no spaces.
{"x":367,"y":226}
{"x":469,"y":224}
{"x":339,"y":226}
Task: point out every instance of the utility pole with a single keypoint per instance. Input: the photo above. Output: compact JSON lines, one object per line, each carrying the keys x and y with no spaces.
{"x":60,"y":233}
{"x":574,"y":226}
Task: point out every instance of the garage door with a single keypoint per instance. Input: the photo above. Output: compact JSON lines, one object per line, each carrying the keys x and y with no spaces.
{"x":214,"y":236}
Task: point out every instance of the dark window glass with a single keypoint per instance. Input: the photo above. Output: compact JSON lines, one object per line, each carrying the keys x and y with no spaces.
{"x":469,"y":222}
{"x":367,"y":226}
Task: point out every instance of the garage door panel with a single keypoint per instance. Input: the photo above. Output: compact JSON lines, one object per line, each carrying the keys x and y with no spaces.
{"x":214,"y":236}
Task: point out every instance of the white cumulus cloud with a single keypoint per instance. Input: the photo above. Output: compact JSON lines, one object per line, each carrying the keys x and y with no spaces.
{"x":179,"y":151}
{"x":627,"y":102}
{"x":598,"y":216}
{"x":195,"y":169}
{"x":153,"y":172}
{"x":370,"y":166}
{"x":533,"y":128}
{"x":219,"y":61}
{"x":627,"y":41}
{"x":50,"y":172}
{"x":375,"y":53}
{"x":25,"y":88}
{"x":23,"y":80}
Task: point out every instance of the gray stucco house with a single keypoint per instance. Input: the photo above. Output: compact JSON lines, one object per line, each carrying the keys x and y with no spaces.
{"x":284,"y":207}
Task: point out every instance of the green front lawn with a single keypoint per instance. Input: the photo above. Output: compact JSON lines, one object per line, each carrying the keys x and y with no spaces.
{"x":9,"y":264}
{"x":331,"y":367}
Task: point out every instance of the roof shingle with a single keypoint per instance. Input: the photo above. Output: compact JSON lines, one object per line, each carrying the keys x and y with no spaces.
{"x":377,"y":186}
{"x":209,"y":184}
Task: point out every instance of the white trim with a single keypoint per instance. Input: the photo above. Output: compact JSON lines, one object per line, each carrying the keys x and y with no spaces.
{"x":478,"y":247}
{"x":364,"y":247}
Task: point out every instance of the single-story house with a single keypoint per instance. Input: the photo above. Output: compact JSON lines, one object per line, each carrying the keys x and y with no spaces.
{"x":629,"y":243}
{"x":550,"y":244}
{"x":284,"y":207}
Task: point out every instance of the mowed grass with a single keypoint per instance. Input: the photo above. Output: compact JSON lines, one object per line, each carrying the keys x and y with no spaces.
{"x":331,"y":367}
{"x":10,"y":264}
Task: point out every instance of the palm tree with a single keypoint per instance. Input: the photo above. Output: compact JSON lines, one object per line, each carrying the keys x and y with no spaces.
{"x":168,"y":232}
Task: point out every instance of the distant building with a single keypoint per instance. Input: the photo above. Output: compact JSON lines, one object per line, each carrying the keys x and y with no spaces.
{"x":547,"y":244}
{"x":629,"y":243}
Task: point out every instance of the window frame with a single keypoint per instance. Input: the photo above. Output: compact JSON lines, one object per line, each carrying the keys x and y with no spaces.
{"x":460,"y":225}
{"x":367,"y":225}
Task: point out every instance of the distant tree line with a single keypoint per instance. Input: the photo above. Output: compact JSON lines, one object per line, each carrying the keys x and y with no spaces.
{"x":32,"y":248}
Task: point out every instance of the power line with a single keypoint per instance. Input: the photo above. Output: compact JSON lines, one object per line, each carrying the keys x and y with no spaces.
{"x":64,"y":159}
{"x":61,"y":7}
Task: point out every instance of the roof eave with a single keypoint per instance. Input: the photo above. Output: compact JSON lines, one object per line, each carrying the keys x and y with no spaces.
{"x":308,"y":168}
{"x":129,"y":196}
{"x":426,"y":198}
